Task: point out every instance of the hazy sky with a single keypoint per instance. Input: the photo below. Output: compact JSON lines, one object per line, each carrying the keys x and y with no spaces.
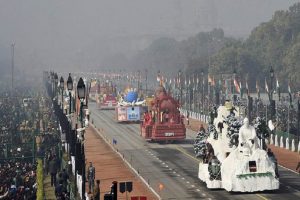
{"x":57,"y":34}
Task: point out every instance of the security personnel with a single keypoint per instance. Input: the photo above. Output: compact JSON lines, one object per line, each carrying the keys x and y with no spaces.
{"x":91,"y":177}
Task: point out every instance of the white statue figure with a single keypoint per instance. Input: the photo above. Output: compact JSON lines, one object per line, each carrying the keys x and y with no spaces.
{"x":247,"y":137}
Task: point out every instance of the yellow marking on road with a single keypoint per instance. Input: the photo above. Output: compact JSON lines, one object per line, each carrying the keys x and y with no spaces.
{"x":262,"y":197}
{"x":187,"y":154}
{"x":198,"y":160}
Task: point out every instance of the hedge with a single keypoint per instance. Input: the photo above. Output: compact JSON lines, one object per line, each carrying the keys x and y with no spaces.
{"x":40,"y":180}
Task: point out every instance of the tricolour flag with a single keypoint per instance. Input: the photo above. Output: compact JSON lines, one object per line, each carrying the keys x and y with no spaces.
{"x":236,"y":85}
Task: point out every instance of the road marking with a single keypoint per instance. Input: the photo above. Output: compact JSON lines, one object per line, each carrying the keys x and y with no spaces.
{"x":262,"y":197}
{"x":174,"y":172}
{"x":288,"y":169}
{"x":178,"y":174}
{"x":187,"y":154}
{"x":188,"y":182}
{"x":192,"y":186}
{"x":198,"y":190}
{"x":182,"y":178}
{"x":203,"y":194}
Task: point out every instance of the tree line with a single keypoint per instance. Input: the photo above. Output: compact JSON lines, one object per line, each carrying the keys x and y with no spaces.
{"x":274,"y":43}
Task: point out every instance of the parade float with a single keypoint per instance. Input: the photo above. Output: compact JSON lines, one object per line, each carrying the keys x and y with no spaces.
{"x":163,"y":121}
{"x":106,"y":96}
{"x":130,"y":107}
{"x":231,"y":154}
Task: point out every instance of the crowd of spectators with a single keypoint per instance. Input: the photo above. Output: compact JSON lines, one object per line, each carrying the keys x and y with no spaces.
{"x":17,"y":181}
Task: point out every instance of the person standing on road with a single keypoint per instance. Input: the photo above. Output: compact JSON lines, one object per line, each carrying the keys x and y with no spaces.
{"x":91,"y":177}
{"x":53,"y":170}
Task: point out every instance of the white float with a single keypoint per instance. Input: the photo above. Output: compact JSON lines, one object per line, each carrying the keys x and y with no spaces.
{"x":246,"y":168}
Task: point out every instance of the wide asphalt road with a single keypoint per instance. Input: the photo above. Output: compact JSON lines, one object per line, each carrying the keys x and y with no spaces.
{"x":174,"y":165}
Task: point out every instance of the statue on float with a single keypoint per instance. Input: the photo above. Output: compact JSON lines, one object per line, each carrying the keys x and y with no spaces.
{"x":247,"y":138}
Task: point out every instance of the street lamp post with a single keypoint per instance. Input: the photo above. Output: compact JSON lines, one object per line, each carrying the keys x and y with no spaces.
{"x":70,"y":88}
{"x":146,"y":74}
{"x":180,"y":86}
{"x":271,"y":85}
{"x":61,"y":85}
{"x":138,"y":83}
{"x":81,"y":95}
{"x":55,"y":83}
{"x":202,"y":96}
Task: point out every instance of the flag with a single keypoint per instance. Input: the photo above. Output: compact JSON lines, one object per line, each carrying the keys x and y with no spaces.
{"x":236,"y":85}
{"x":290,"y":92}
{"x":158,"y":78}
{"x":213,"y":83}
{"x":209,"y":79}
{"x":247,"y":88}
{"x":257,"y":90}
{"x":278,"y":88}
{"x":241,"y":90}
{"x":277,"y":83}
{"x":266,"y":86}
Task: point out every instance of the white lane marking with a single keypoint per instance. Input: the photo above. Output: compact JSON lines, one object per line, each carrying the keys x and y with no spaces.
{"x":174,"y":172}
{"x":178,"y":174}
{"x":192,"y":186}
{"x":203,"y":194}
{"x":182,"y":178}
{"x":198,"y":190}
{"x":188,"y":182}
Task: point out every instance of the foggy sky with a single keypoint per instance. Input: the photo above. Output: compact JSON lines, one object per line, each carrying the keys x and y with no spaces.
{"x":72,"y":34}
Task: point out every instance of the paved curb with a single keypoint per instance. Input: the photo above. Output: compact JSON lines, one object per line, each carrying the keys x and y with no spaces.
{"x":107,"y":141}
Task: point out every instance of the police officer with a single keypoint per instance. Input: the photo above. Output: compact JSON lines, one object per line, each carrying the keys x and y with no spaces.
{"x":91,"y":177}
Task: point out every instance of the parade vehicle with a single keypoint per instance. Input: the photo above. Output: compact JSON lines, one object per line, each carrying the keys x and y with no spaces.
{"x":107,"y":102}
{"x":232,"y":156}
{"x":106,"y":96}
{"x":163,"y":121}
{"x":130,"y":108}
